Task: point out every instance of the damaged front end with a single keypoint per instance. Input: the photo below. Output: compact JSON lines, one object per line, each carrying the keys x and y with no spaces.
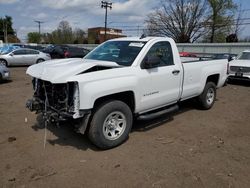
{"x":57,"y":102}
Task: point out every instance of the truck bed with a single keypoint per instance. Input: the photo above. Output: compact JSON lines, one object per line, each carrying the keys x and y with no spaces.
{"x":196,"y":71}
{"x":193,"y":59}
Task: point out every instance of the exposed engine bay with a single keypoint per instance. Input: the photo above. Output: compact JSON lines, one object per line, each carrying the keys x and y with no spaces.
{"x":56,"y":101}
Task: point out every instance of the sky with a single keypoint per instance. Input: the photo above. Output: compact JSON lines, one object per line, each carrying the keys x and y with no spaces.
{"x":128,"y":15}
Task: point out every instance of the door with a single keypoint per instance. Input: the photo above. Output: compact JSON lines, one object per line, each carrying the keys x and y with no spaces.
{"x":17,"y":57}
{"x":31,"y":56}
{"x":160,"y":85}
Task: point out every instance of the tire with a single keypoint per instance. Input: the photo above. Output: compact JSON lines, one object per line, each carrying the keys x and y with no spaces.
{"x":208,"y":96}
{"x":4,"y":62}
{"x":110,"y":124}
{"x":39,"y":61}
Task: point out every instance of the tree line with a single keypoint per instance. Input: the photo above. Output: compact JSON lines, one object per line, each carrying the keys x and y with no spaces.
{"x":64,"y":34}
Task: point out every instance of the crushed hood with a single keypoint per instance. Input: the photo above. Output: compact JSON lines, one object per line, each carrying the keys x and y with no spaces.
{"x":58,"y":71}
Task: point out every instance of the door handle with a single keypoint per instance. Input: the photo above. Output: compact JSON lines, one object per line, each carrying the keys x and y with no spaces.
{"x":175,"y":72}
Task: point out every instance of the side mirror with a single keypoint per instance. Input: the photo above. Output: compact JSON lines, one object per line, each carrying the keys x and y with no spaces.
{"x":11,"y":54}
{"x":151,"y":62}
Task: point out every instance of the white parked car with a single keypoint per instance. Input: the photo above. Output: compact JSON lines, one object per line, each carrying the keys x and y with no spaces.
{"x":239,"y":69}
{"x":23,"y":56}
{"x":121,"y":79}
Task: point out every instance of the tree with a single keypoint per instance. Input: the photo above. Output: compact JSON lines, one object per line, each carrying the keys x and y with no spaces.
{"x":6,"y":25}
{"x":34,"y":37}
{"x":183,"y":20}
{"x":221,"y":19}
{"x":63,"y":34}
{"x":79,"y":36}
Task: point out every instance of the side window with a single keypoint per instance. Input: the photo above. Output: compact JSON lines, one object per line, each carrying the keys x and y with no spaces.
{"x":163,"y":51}
{"x":31,"y":52}
{"x":19,"y":52}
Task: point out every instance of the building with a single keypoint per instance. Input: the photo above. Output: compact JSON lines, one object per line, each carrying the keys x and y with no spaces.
{"x":97,"y":35}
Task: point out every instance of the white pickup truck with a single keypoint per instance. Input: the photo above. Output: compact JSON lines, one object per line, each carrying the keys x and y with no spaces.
{"x":120,"y":80}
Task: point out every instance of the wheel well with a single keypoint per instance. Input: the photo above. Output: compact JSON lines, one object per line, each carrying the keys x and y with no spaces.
{"x":4,"y":60}
{"x":213,"y":78}
{"x":126,"y":97}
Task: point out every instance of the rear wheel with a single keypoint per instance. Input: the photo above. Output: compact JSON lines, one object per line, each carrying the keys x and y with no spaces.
{"x":4,"y":62}
{"x":208,"y":96}
{"x":110,"y":124}
{"x":40,"y":60}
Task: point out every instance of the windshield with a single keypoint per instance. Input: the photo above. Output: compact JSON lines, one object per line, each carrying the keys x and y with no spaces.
{"x":121,"y":52}
{"x":245,"y":56}
{"x":8,"y":49}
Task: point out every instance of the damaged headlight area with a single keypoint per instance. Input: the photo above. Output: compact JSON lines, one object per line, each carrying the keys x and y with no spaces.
{"x":56,"y":101}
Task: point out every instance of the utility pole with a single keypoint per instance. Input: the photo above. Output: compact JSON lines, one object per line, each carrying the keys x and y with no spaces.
{"x":138,"y":30}
{"x":5,"y":31}
{"x":106,"y":5}
{"x":39,"y":25}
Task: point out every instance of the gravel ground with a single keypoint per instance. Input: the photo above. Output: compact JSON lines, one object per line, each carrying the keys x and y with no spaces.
{"x":191,"y":149}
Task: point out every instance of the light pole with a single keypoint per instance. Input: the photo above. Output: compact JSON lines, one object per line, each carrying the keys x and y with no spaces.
{"x":106,"y":5}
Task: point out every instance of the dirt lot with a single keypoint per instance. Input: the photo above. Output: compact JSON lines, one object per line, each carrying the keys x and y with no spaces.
{"x":192,"y":149}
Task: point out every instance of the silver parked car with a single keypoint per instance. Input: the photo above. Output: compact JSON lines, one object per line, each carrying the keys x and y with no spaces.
{"x":4,"y":72}
{"x":23,"y":56}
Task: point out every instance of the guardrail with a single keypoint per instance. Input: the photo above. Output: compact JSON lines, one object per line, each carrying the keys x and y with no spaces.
{"x":234,"y":48}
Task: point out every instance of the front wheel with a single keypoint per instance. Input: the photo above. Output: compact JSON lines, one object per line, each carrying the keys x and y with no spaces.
{"x":110,"y":124}
{"x":39,"y":61}
{"x":208,"y":96}
{"x":4,"y":62}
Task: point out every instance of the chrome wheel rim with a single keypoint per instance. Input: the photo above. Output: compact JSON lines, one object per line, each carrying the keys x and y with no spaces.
{"x":39,"y":61}
{"x":210,"y":96}
{"x":114,"y":125}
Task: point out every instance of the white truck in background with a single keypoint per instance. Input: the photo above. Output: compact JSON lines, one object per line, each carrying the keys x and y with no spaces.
{"x":239,"y":69}
{"x":119,"y":80}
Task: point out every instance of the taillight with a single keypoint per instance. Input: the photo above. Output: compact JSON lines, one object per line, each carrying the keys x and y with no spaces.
{"x":66,"y":54}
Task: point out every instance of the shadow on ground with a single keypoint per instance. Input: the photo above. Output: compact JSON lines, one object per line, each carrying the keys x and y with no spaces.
{"x":244,"y":83}
{"x":141,"y":126}
{"x":66,"y":135}
{"x":5,"y":81}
